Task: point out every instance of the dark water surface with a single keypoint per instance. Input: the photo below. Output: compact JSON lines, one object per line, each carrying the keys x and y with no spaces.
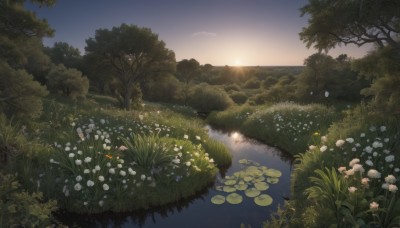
{"x":199,"y":211}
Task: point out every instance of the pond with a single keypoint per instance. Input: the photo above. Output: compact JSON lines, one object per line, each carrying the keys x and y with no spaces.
{"x":198,"y":211}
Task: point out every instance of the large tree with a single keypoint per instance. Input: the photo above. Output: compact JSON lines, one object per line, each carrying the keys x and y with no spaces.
{"x":186,"y":71}
{"x":335,"y":22}
{"x":132,"y":53}
{"x":63,"y":53}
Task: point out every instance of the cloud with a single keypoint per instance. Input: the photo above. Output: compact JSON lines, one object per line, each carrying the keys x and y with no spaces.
{"x":204,"y":34}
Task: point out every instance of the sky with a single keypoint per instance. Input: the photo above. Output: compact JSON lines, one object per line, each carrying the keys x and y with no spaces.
{"x":218,"y":32}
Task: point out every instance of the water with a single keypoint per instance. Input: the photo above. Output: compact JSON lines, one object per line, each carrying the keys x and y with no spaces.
{"x":198,"y":211}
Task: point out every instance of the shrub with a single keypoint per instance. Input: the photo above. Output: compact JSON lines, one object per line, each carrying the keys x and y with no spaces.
{"x":239,"y":97}
{"x":207,"y":99}
{"x":69,"y":82}
{"x":219,"y":152}
{"x":252,"y":83}
{"x":232,"y":87}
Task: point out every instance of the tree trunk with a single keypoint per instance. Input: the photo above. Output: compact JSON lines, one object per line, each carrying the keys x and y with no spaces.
{"x":127,"y":98}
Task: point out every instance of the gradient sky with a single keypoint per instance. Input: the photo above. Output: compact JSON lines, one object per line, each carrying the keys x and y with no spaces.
{"x":219,"y":32}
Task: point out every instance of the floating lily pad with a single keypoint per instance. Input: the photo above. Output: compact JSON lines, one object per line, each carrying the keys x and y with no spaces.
{"x":230,"y":182}
{"x":252,"y":192}
{"x":241,"y":187}
{"x":219,"y":188}
{"x":273,"y":173}
{"x":229,"y":189}
{"x":243,"y":161}
{"x":248,"y":178}
{"x":262,"y":186}
{"x":234,"y":198}
{"x":241,"y":182}
{"x":272,"y":180}
{"x":263,"y":200}
{"x":259,"y":179}
{"x":218,"y":199}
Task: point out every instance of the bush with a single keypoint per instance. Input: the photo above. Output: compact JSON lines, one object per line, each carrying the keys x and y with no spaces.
{"x":252,"y":84}
{"x":69,"y":82}
{"x":239,"y":97}
{"x":207,"y":99}
{"x":218,"y":152}
{"x":232,"y":87}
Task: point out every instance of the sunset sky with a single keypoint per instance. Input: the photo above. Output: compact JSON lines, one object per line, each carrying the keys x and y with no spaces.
{"x":219,"y":32}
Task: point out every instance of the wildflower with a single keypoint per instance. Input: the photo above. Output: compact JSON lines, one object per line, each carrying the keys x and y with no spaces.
{"x":119,"y":166}
{"x":101,"y":178}
{"x":78,"y":178}
{"x":368,"y":149}
{"x":372,"y":173}
{"x":67,"y":148}
{"x":79,"y":152}
{"x":186,"y":137}
{"x":349,"y":172}
{"x":89,"y":183}
{"x":354,"y":161}
{"x":78,"y":162}
{"x":71,"y":155}
{"x":392,"y":188}
{"x":365,"y":181}
{"x":369,"y":162}
{"x":358,"y":168}
{"x":326,"y":94}
{"x":131,"y":172}
{"x":77,"y":187}
{"x":312,"y":147}
{"x":390,"y":179}
{"x":377,"y":144}
{"x":86,"y":171}
{"x":386,"y":140}
{"x":382,"y":128}
{"x":96,"y":137}
{"x":122,"y":148}
{"x":342,"y":169}
{"x":111,"y":171}
{"x":352,"y":189}
{"x":107,"y":141}
{"x":350,"y":140}
{"x":198,"y":137}
{"x":143,"y":177}
{"x":362,"y":135}
{"x":122,"y":173}
{"x":97,"y":168}
{"x":324,"y":139}
{"x":176,"y":160}
{"x":101,"y":203}
{"x":389,"y":158}
{"x":385,"y":186}
{"x":323,"y":148}
{"x":88,"y":159}
{"x":211,"y":160}
{"x":373,"y":206}
{"x":340,"y":142}
{"x":106,"y":187}
{"x":188,"y":163}
{"x":73,"y":124}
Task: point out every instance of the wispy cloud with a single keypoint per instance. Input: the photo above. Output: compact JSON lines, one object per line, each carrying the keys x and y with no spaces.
{"x":204,"y":34}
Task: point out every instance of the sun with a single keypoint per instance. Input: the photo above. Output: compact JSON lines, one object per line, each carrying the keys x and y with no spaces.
{"x":238,"y":62}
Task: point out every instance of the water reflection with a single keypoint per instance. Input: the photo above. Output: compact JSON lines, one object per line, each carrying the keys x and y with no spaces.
{"x":198,"y":211}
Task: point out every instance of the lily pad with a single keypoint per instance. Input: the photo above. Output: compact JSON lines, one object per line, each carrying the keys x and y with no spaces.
{"x":243,"y":161}
{"x":230,"y":182}
{"x":253,"y":171}
{"x":259,"y":179}
{"x":238,"y":174}
{"x":262,"y":186}
{"x":252,"y":192}
{"x":219,"y":188}
{"x":218,"y":199}
{"x":234,"y":198}
{"x":263,"y":200}
{"x":248,"y":178}
{"x":241,"y":187}
{"x":273,"y":173}
{"x":272,"y":180}
{"x":229,"y":189}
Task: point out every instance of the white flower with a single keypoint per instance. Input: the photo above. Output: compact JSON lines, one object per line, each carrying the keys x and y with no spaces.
{"x":101,"y":203}
{"x":176,"y":160}
{"x":365,"y":181}
{"x":350,"y":140}
{"x":389,"y":158}
{"x":119,"y":166}
{"x":97,"y":167}
{"x":79,"y":152}
{"x":101,"y":178}
{"x":377,"y":144}
{"x":392,"y":188}
{"x":186,"y":137}
{"x":88,"y":159}
{"x":131,"y":172}
{"x":198,"y":137}
{"x":106,"y":187}
{"x":362,"y":135}
{"x":312,"y":147}
{"x":143,"y":177}
{"x":326,"y":94}
{"x":67,"y":148}
{"x":372,"y":173}
{"x":211,"y":160}
{"x":369,"y":162}
{"x":89,"y":183}
{"x":86,"y":171}
{"x":390,"y":179}
{"x":108,"y":164}
{"x":96,"y":137}
{"x":77,"y":187}
{"x":122,"y":173}
{"x":368,"y":149}
{"x":352,"y":189}
{"x":342,"y":169}
{"x":102,"y":121}
{"x":373,"y":206}
{"x":340,"y":142}
{"x":382,"y":128}
{"x":71,"y":155}
{"x":385,"y":186}
{"x":111,"y":171}
{"x":188,"y":163}
{"x":122,"y":148}
{"x":324,"y":139}
{"x":354,"y":161}
{"x":73,"y":124}
{"x":386,"y":140}
{"x":78,"y":162}
{"x":350,"y":172}
{"x":323,"y":148}
{"x":78,"y":178}
{"x":358,"y":168}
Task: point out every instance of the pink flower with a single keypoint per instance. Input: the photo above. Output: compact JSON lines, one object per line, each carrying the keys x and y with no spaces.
{"x":373,"y":206}
{"x":122,"y":148}
{"x":342,"y":169}
{"x":352,"y":189}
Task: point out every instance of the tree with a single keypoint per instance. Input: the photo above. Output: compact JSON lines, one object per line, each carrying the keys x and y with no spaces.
{"x":132,"y":53}
{"x":63,"y":53}
{"x":336,"y":22}
{"x":187,"y":70}
{"x":70,"y":82}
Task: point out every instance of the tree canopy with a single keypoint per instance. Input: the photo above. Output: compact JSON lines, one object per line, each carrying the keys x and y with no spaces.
{"x":132,"y":53}
{"x":336,"y":22}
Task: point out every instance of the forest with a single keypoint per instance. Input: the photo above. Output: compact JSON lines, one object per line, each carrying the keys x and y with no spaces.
{"x":120,"y":127}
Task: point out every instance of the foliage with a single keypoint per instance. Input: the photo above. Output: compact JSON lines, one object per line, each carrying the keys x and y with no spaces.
{"x":232,"y":118}
{"x":20,"y":208}
{"x":132,"y":53}
{"x":163,"y":88}
{"x":252,"y":83}
{"x":20,"y":95}
{"x":217,"y":151}
{"x":333,"y":23}
{"x":238,"y":97}
{"x":70,"y":82}
{"x":65,"y":54}
{"x":206,"y":99}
